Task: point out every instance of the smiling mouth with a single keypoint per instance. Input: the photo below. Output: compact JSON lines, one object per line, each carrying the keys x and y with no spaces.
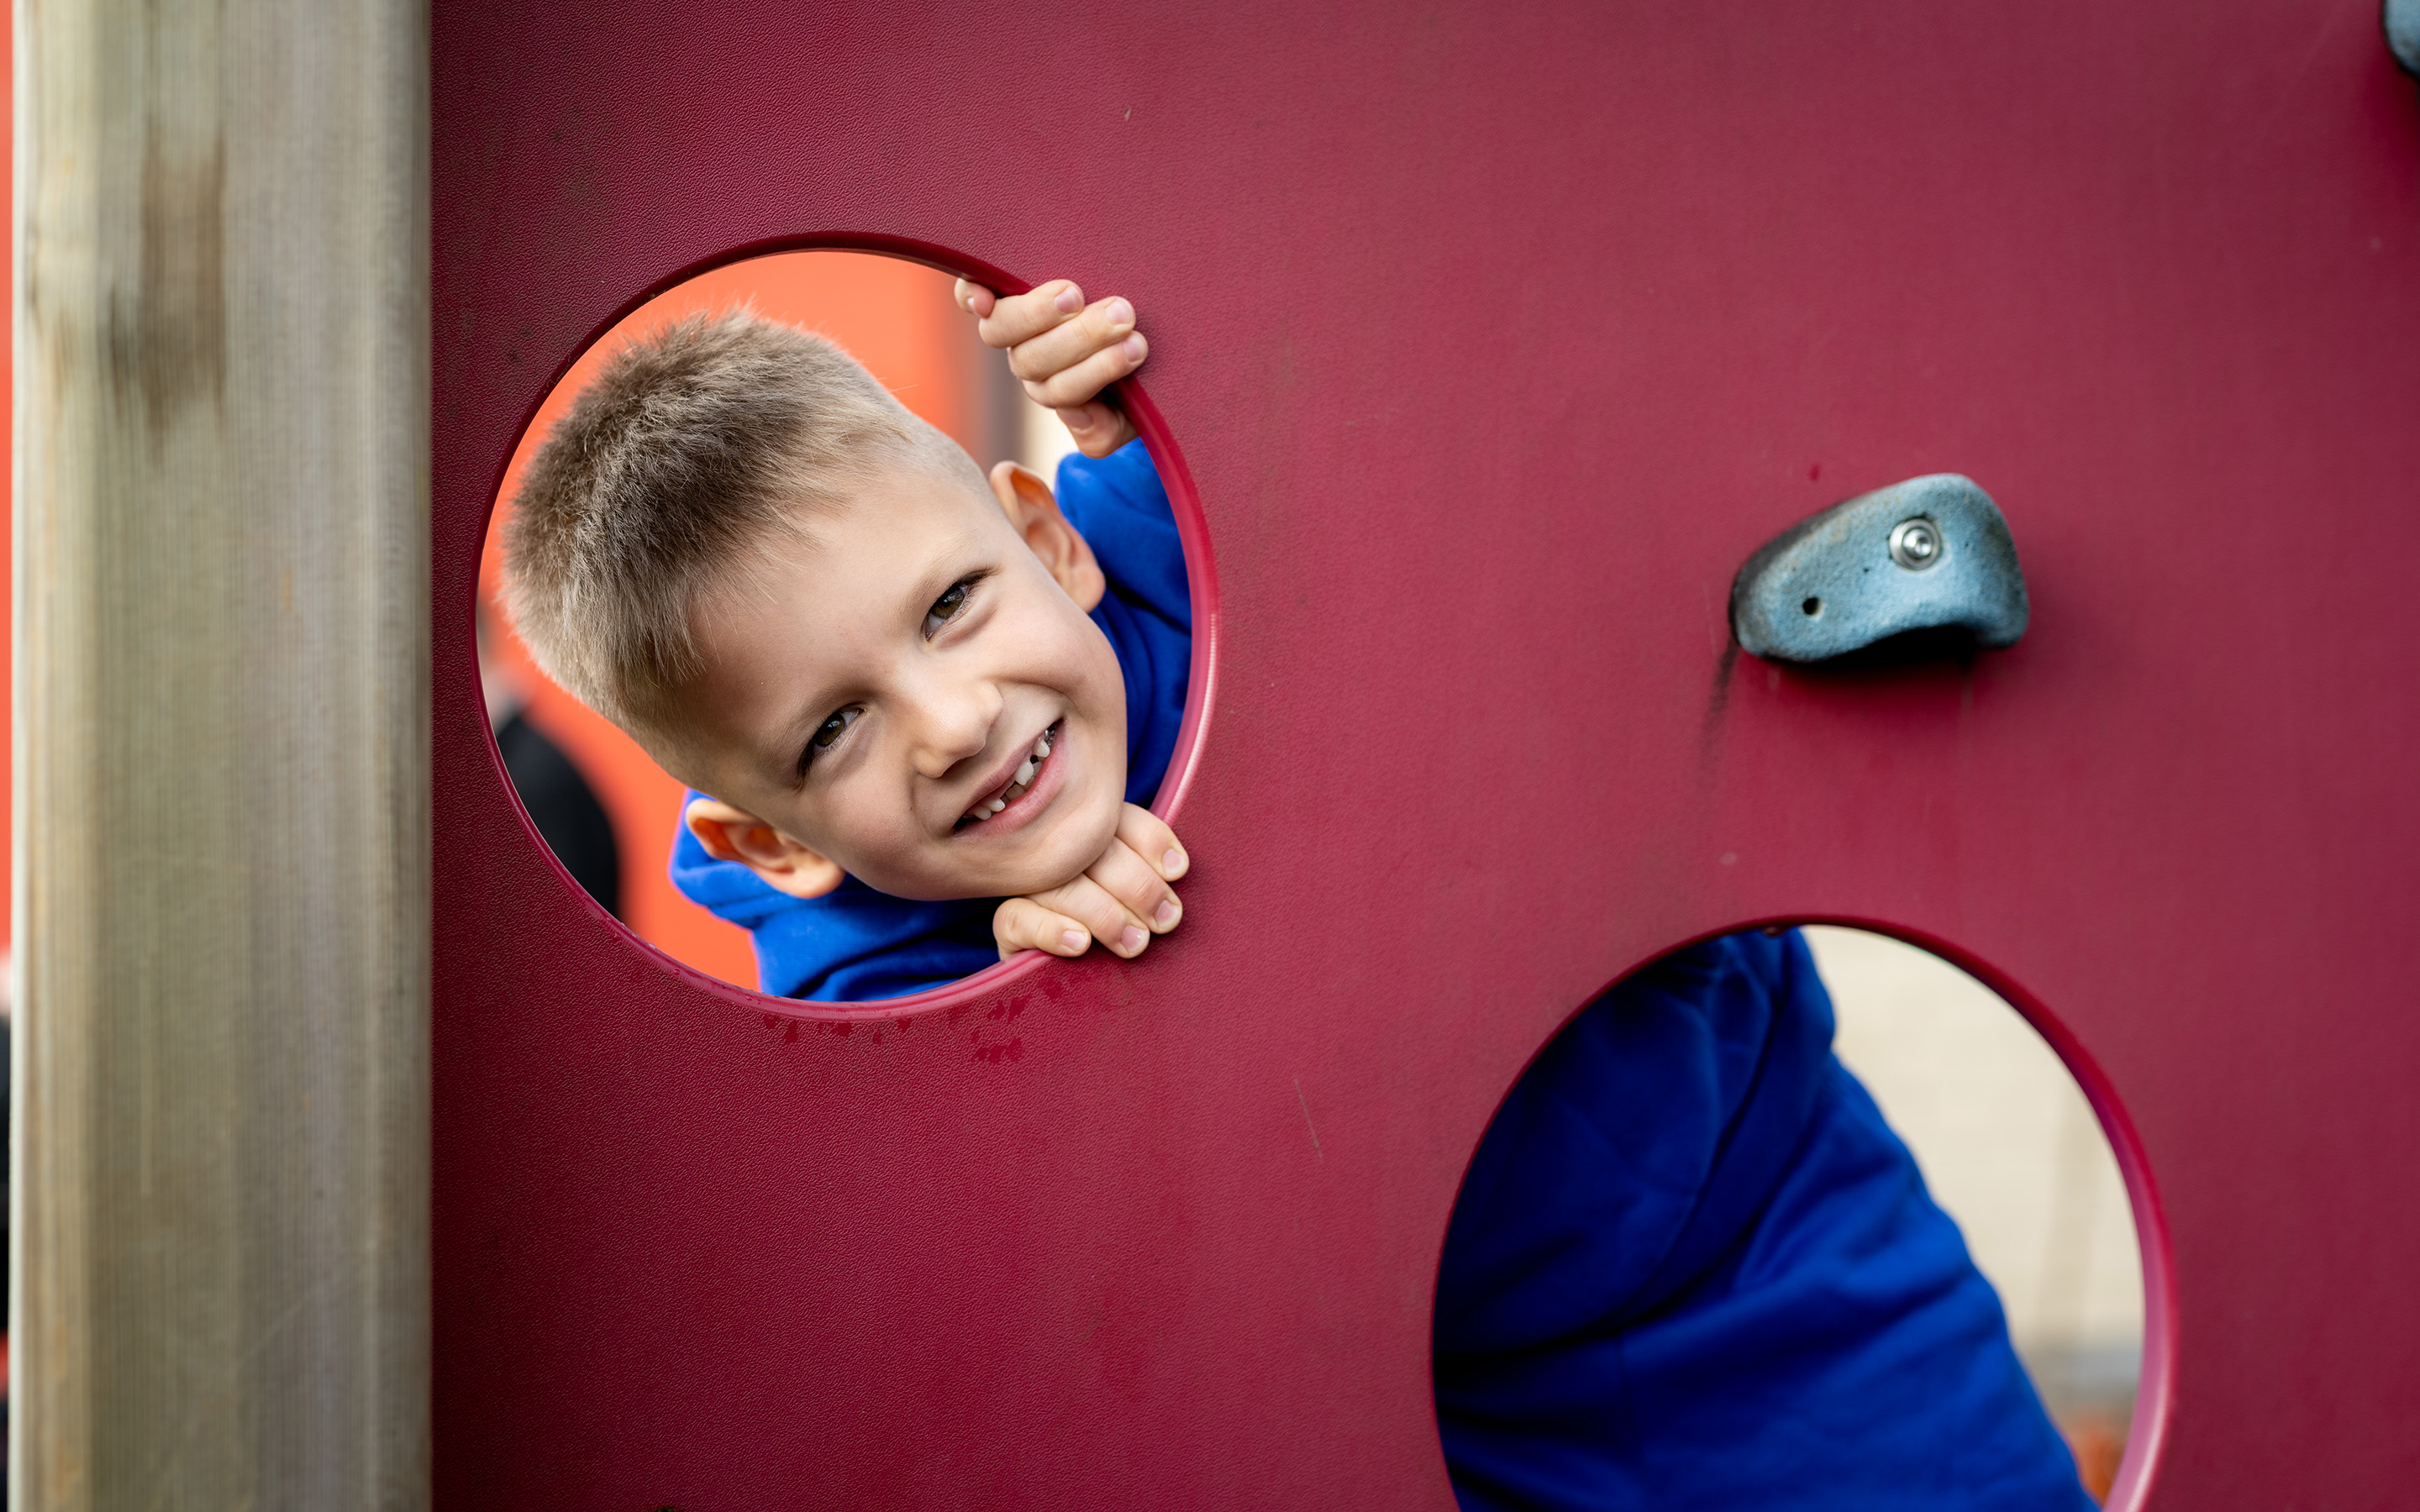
{"x":1019,"y":782}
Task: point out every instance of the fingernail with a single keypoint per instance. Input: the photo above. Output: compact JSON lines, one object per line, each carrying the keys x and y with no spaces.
{"x":1070,"y":300}
{"x":1119,"y":313}
{"x":1167,"y":913}
{"x":1073,"y":939}
{"x":1132,"y":939}
{"x":1172,"y":863}
{"x":1136,"y":349}
{"x":1080,"y":419}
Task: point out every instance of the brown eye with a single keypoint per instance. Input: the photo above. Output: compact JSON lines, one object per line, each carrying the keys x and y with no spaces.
{"x":949,"y":604}
{"x":828,"y":731}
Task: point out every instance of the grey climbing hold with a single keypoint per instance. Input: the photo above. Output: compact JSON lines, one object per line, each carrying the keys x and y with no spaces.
{"x":2402,"y":21}
{"x":1932,"y":553}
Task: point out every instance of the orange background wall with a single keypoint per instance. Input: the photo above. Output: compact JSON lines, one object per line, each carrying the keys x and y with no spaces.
{"x":898,"y":318}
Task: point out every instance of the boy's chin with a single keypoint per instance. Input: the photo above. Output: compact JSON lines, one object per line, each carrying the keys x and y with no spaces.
{"x":1065,"y":852}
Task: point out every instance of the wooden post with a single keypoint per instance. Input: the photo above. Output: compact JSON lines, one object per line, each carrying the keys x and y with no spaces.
{"x":222,"y":904}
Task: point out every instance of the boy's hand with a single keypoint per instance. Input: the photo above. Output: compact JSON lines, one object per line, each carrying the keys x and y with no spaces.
{"x":1066,"y":352}
{"x":1122,"y":900}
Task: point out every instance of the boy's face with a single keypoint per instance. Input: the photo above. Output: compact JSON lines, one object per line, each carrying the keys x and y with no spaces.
{"x":871,"y":693}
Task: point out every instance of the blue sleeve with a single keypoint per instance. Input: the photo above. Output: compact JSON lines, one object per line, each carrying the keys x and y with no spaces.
{"x":1120,"y":506}
{"x":851,"y":945}
{"x":1692,"y":1269}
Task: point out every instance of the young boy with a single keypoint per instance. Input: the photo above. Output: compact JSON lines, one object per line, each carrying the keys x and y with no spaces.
{"x":904,"y":686}
{"x":1689,"y":1267}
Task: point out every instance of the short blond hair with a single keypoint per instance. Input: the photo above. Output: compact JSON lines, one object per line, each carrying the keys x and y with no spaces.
{"x":695,"y":446}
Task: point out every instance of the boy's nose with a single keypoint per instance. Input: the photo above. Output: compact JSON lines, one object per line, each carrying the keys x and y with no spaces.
{"x":952,"y":724}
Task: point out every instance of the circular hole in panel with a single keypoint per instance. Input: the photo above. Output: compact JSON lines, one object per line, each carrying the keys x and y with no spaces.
{"x":1706,"y":1242}
{"x":612,"y":815}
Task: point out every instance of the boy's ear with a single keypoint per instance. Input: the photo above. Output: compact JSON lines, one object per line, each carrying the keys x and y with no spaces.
{"x":1028,"y":503}
{"x":732,"y":834}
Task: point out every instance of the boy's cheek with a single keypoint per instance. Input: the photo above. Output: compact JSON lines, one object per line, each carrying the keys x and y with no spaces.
{"x":874,"y":855}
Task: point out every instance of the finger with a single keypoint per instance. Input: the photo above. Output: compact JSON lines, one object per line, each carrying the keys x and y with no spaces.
{"x":1148,"y":836}
{"x":1021,"y":317}
{"x":1098,"y":428}
{"x":1091,"y":906}
{"x":1023,"y":924}
{"x":974,"y":299}
{"x":1082,"y":382}
{"x":1136,"y":884}
{"x":1103,"y":324}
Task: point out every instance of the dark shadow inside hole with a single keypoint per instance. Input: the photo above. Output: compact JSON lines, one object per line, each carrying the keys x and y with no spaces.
{"x":554,"y":790}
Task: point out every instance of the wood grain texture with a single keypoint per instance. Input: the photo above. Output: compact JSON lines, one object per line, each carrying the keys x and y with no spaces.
{"x":220,"y":1230}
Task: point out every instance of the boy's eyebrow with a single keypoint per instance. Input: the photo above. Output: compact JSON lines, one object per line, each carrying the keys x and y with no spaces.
{"x":953,"y":560}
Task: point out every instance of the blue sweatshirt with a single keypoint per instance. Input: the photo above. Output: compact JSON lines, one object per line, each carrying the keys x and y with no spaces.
{"x":1691,"y":1268}
{"x":854,"y":944}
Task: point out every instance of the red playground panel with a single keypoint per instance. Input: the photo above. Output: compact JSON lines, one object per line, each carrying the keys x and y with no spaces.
{"x":1487,"y":343}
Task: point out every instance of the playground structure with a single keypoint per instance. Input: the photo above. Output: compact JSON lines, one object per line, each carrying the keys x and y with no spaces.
{"x":2008,"y":1145}
{"x":1485,"y":353}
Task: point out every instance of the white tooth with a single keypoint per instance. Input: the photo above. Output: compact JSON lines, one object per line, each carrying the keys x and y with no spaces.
{"x":1042,"y":748}
{"x":998,"y":803}
{"x":1025,"y":772}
